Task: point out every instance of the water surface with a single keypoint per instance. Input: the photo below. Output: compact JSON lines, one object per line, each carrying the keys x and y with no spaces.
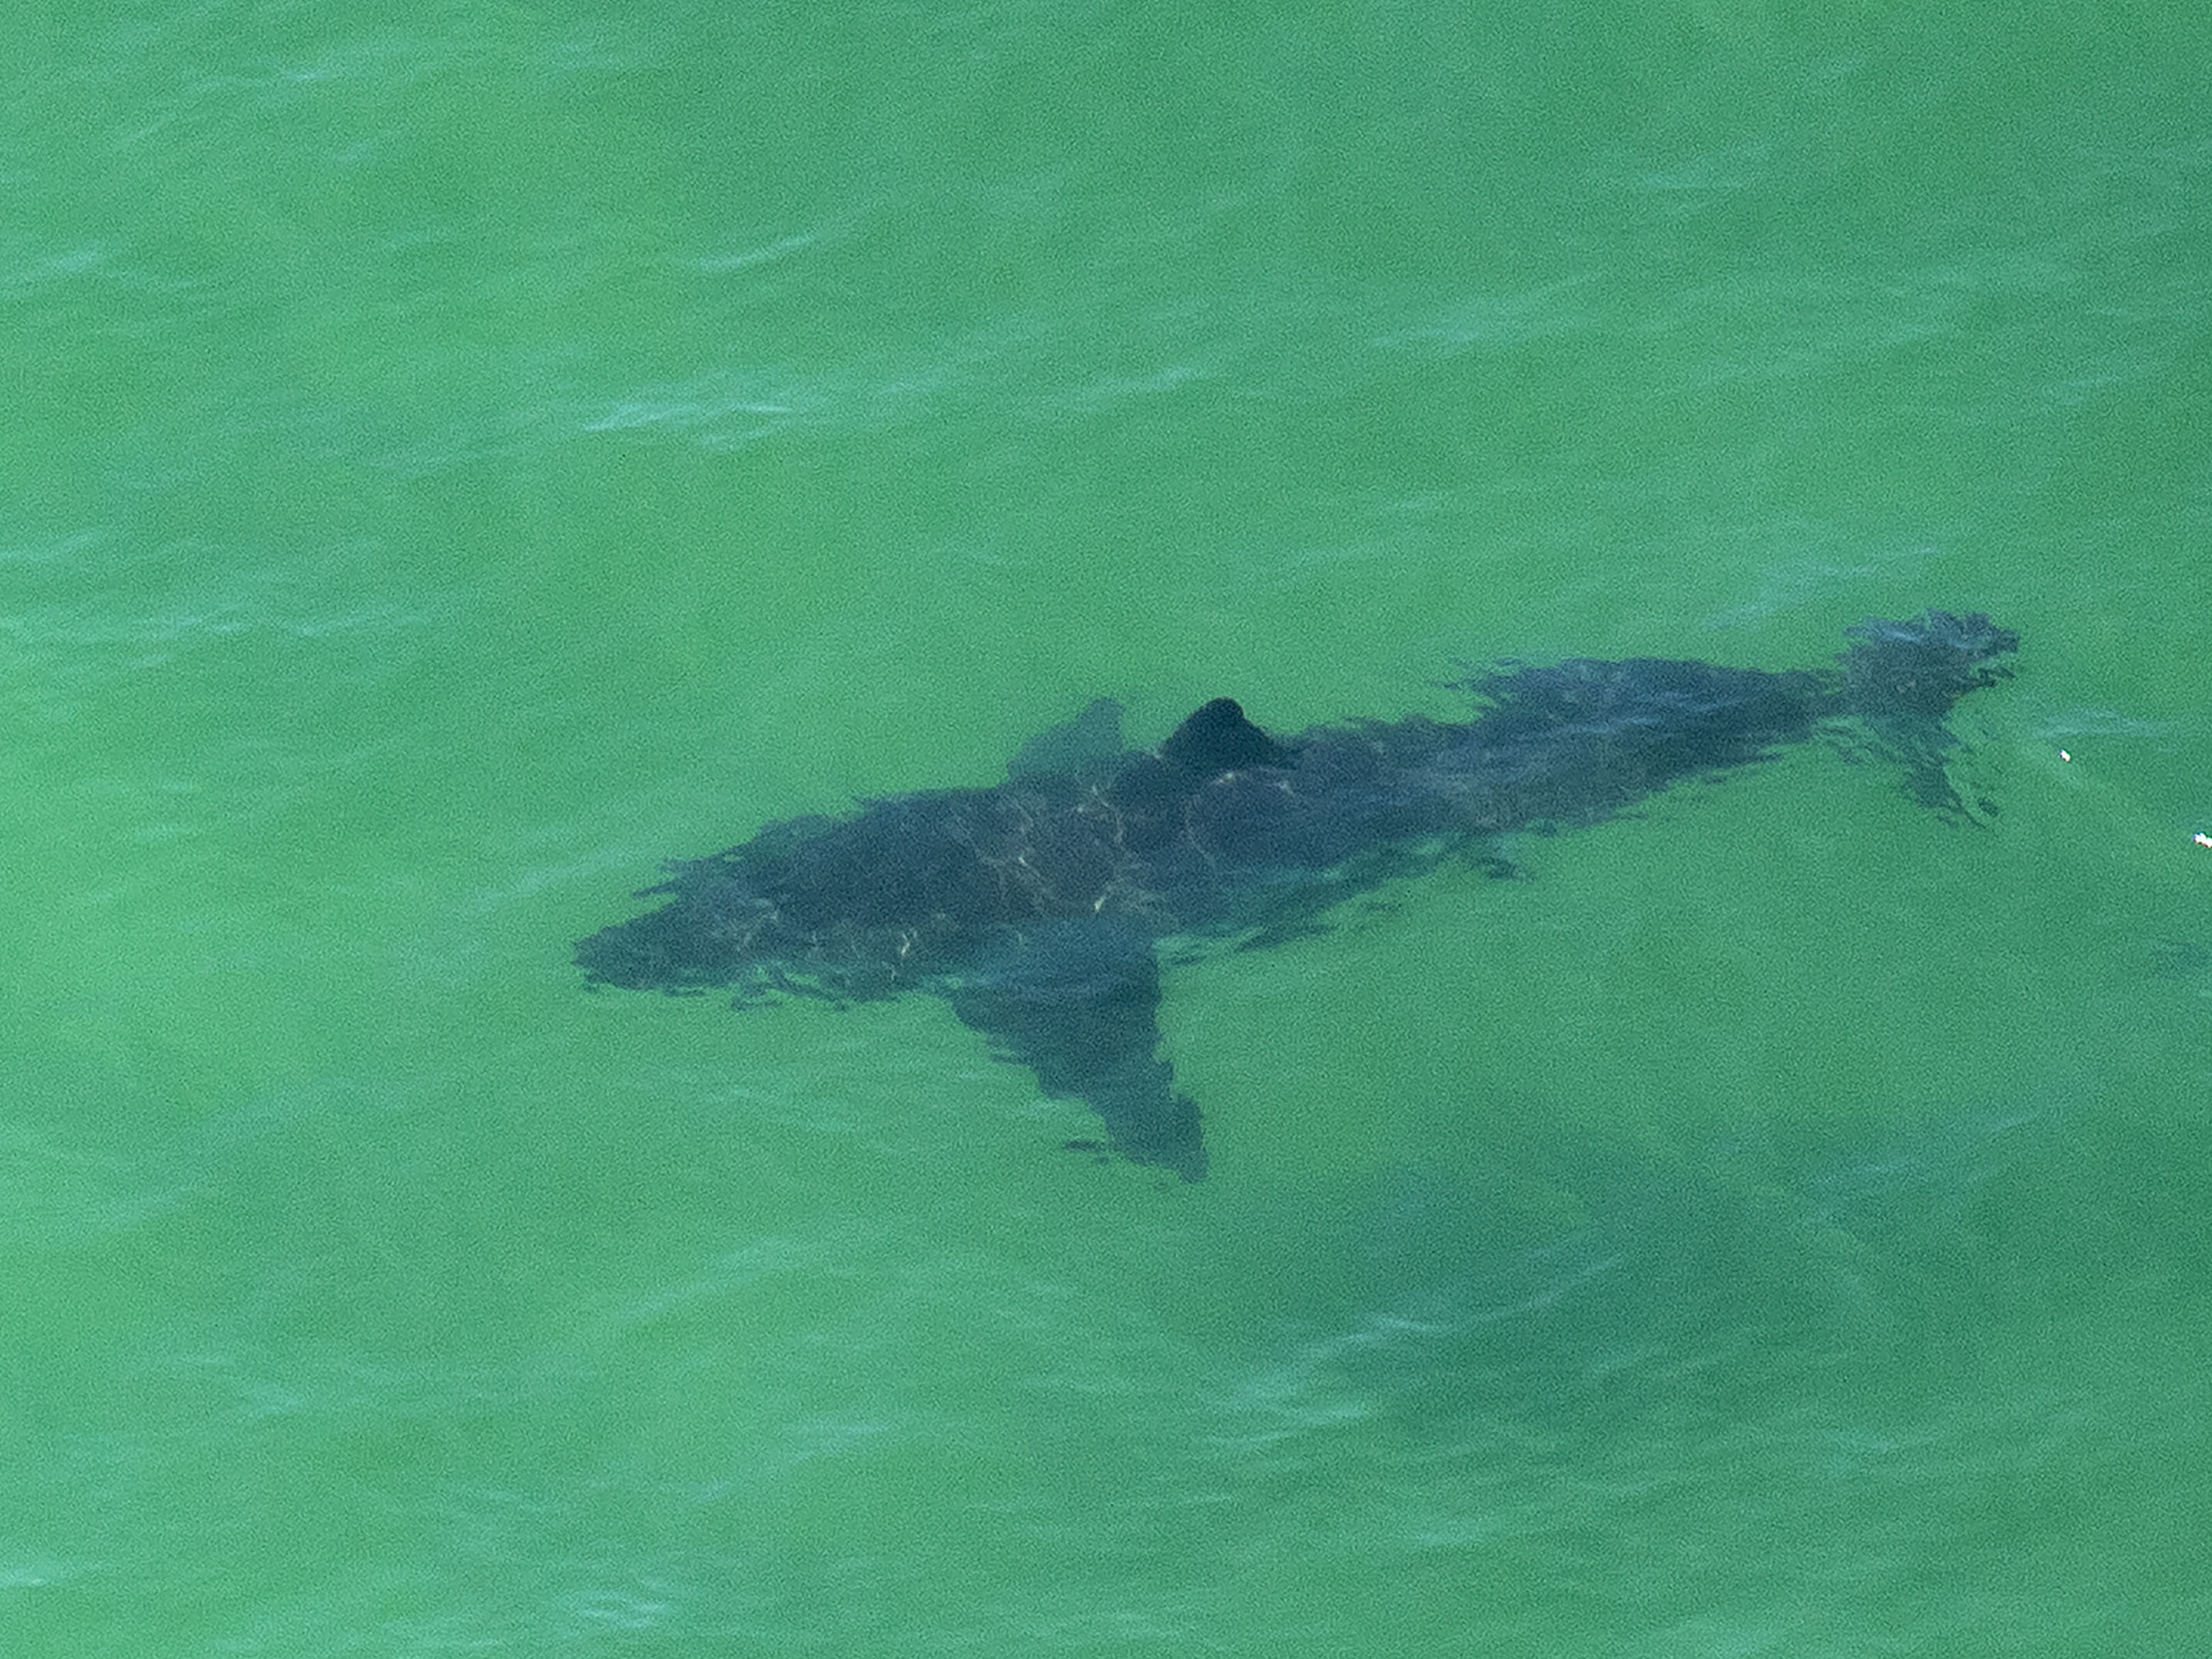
{"x":464,"y":456}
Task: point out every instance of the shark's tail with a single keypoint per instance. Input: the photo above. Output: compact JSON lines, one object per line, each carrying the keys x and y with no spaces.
{"x":1922,"y":665}
{"x":1899,"y":680}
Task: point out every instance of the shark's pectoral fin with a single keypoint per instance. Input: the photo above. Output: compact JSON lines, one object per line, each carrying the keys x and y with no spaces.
{"x":1075,"y":748}
{"x":1077,"y":1003}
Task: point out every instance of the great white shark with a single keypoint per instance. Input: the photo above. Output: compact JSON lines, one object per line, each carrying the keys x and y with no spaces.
{"x":1036,"y":905}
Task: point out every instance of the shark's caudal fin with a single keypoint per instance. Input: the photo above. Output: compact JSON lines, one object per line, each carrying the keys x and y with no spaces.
{"x":1923,"y":664}
{"x":1900,"y":679}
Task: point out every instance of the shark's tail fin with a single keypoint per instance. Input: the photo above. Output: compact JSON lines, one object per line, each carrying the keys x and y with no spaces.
{"x":1922,"y":665}
{"x":1899,"y":680}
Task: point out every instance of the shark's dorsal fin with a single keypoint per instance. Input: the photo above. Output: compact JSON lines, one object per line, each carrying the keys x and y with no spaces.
{"x":1215,"y":737}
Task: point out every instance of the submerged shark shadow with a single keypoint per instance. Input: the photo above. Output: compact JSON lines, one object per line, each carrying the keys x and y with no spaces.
{"x":1036,"y":906}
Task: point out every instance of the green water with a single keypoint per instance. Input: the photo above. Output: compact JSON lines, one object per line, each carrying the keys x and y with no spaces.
{"x":458,"y":456}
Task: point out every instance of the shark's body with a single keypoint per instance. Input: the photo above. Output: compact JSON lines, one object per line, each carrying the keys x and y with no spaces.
{"x":1035,"y":905}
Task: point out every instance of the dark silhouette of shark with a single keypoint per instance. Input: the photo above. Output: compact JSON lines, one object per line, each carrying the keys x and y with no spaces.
{"x":1035,"y":905}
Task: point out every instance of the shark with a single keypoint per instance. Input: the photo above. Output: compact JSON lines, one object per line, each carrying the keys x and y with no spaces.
{"x":1040,"y":907}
